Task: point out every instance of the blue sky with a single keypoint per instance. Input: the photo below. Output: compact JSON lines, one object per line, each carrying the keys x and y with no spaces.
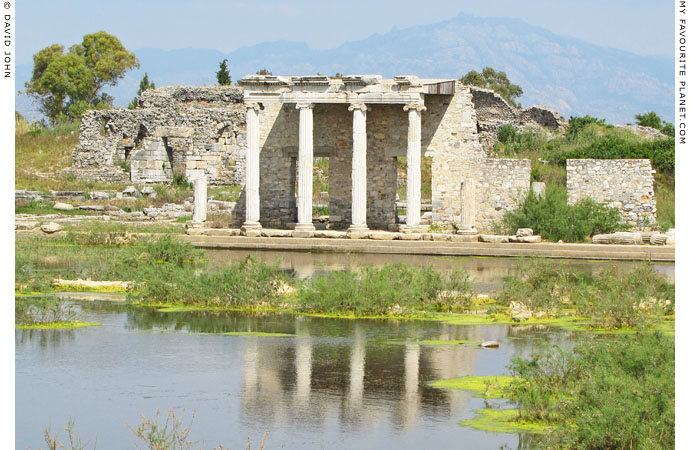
{"x":644,"y":27}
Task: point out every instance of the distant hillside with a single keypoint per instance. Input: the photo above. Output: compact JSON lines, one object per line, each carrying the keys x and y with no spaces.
{"x":566,"y":74}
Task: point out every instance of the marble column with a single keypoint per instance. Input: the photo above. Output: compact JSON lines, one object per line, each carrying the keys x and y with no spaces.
{"x":414,"y":166}
{"x":359,"y":167}
{"x":251,"y":184}
{"x":200,"y":201}
{"x":467,"y":213}
{"x":305,"y":171}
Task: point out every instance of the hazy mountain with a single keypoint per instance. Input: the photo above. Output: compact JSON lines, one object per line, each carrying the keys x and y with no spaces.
{"x":566,"y":74}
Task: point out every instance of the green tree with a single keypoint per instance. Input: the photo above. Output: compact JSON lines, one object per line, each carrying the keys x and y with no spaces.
{"x":651,"y":119}
{"x":263,"y":71}
{"x":223,"y":76}
{"x":65,"y":84}
{"x":496,"y":81}
{"x":144,"y":84}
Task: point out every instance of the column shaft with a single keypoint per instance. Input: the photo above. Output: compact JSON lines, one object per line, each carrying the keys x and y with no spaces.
{"x":305,"y":171}
{"x":359,"y":166}
{"x":252,"y":207}
{"x":414,"y":165}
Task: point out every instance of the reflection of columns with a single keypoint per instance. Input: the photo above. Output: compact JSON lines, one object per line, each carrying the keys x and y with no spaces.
{"x":252,"y":169}
{"x":305,"y":172}
{"x":357,"y":368}
{"x":411,"y":409}
{"x":303,"y":367}
{"x":414,"y":164}
{"x":359,"y":167}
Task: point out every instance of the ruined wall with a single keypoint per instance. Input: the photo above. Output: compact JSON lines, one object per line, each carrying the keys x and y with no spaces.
{"x":625,"y":184}
{"x":201,"y":129}
{"x":493,"y":112}
{"x":503,"y":184}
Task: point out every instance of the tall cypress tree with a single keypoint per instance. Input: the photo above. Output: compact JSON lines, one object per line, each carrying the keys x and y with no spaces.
{"x":144,"y":84}
{"x":223,"y":76}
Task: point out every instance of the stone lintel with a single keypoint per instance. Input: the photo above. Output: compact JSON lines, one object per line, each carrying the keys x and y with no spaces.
{"x":182,"y":132}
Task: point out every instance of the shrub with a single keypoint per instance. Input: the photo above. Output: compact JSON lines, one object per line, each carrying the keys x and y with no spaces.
{"x":180,"y":180}
{"x":171,"y":250}
{"x":616,"y":392}
{"x":391,"y":289}
{"x":577,"y":124}
{"x":42,"y":310}
{"x":554,"y":219}
{"x":507,"y":133}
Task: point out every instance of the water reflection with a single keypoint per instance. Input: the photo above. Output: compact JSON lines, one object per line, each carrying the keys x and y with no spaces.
{"x":342,"y":383}
{"x":486,"y":274}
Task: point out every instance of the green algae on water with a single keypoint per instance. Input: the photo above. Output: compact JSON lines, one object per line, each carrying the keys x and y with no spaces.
{"x":484,"y":387}
{"x":449,"y":342}
{"x":257,"y":334}
{"x":504,"y":421}
{"x":56,"y":325}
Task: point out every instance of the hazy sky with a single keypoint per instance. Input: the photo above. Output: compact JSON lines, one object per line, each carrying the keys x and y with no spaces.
{"x":644,"y":27}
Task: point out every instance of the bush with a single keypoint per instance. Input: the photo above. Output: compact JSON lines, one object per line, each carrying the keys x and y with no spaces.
{"x":608,"y":393}
{"x":554,"y":219}
{"x":171,"y":250}
{"x":507,"y":133}
{"x":391,"y":289}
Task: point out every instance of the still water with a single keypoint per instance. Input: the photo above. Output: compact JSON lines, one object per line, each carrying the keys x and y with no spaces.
{"x":335,"y":384}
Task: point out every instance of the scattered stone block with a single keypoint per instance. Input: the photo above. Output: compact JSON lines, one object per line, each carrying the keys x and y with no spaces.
{"x":528,"y":239}
{"x":658,"y":239}
{"x":131,"y":191}
{"x":63,"y":206}
{"x":25,"y":225}
{"x":489,"y":344}
{"x":524,"y":232}
{"x":51,"y":227}
{"x":494,"y":239}
{"x":539,"y":189}
{"x":92,"y":207}
{"x":671,"y":236}
{"x":99,"y":195}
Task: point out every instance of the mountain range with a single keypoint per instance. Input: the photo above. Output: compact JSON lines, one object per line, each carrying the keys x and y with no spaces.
{"x":563,"y":73}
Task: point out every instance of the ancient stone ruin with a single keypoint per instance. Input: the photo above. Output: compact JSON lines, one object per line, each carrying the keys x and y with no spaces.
{"x":265,"y":135}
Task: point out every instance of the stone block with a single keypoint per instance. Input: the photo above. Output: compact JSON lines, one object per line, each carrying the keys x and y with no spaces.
{"x":278,"y":233}
{"x":463,"y":238}
{"x":25,"y":225}
{"x":330,"y":234}
{"x":441,"y":237}
{"x":524,"y":232}
{"x":494,"y":239}
{"x":63,"y":206}
{"x":410,"y":236}
{"x":382,"y":235}
{"x":51,"y":227}
{"x":356,"y":234}
{"x":252,"y":233}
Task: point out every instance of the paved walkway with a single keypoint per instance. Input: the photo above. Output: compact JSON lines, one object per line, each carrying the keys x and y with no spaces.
{"x":544,"y":250}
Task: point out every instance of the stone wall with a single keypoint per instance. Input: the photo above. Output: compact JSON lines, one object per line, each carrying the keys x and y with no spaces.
{"x":493,"y":112}
{"x":625,"y":184}
{"x":176,"y":129}
{"x":503,"y":184}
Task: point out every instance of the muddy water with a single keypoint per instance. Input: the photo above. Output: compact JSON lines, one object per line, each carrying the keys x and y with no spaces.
{"x":334,"y":384}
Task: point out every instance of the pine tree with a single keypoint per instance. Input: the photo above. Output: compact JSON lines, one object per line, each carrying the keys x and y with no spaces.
{"x":144,"y":84}
{"x":223,"y":76}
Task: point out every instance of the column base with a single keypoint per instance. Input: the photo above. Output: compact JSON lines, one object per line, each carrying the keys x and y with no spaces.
{"x":193,"y":224}
{"x":466,"y":230}
{"x":304,"y":230}
{"x":358,"y":231}
{"x":251,"y":229}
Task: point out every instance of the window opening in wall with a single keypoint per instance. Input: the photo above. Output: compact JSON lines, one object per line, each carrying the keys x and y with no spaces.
{"x":320,"y":193}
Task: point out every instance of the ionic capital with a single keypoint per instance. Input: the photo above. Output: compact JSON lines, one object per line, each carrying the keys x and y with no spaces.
{"x":253,"y":105}
{"x":360,"y":106}
{"x":418,"y":106}
{"x":304,"y":105}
